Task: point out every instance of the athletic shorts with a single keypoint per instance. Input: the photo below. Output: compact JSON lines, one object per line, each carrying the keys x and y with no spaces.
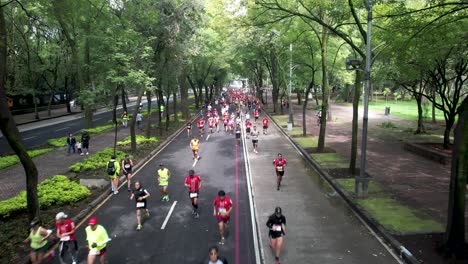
{"x":101,"y":252}
{"x":265,"y":127}
{"x":127,"y":171}
{"x":41,"y":249}
{"x":84,"y":145}
{"x":192,"y":194}
{"x":224,"y":219}
{"x":140,"y":205}
{"x":275,"y":234}
{"x":280,"y":173}
{"x":254,"y":141}
{"x":163,"y":184}
{"x":238,"y":135}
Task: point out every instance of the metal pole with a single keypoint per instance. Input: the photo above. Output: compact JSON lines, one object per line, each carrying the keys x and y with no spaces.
{"x":290,"y":88}
{"x":362,"y":182}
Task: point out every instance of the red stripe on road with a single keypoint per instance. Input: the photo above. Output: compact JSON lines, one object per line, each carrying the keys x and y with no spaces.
{"x":236,"y":208}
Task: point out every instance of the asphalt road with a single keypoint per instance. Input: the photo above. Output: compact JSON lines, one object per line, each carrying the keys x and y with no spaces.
{"x":38,"y":136}
{"x":184,"y":239}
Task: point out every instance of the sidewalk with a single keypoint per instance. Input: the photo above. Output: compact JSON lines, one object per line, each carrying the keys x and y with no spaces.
{"x":320,"y":227}
{"x":23,"y":119}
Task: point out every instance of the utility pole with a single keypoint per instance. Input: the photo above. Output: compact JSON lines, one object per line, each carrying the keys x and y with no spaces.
{"x":290,"y":121}
{"x":361,"y":183}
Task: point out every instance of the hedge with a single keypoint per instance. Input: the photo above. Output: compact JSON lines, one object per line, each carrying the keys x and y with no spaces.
{"x":11,"y":160}
{"x":139,"y":140}
{"x":97,"y":161}
{"x":58,"y":190}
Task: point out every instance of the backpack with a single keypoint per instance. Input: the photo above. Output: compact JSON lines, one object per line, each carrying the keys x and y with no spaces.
{"x":111,"y":168}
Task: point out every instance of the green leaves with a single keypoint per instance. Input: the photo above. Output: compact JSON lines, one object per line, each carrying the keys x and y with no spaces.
{"x":58,"y":190}
{"x":8,"y":161}
{"x":97,"y":161}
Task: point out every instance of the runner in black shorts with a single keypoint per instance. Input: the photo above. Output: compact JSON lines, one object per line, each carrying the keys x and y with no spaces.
{"x":254,"y":135}
{"x":277,"y":225}
{"x":238,"y":134}
{"x":279,"y":164}
{"x":189,"y":128}
{"x":140,"y":194}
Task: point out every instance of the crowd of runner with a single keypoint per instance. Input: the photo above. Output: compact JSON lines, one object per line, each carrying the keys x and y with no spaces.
{"x":235,"y":112}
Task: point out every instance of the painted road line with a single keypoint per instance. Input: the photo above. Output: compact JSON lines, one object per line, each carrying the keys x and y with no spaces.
{"x":62,"y":129}
{"x":168,"y":215}
{"x":237,"y":252}
{"x":208,"y":137}
{"x":28,"y":138}
{"x":96,"y":119}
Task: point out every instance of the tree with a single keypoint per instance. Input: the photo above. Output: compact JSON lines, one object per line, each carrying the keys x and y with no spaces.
{"x":10,"y":130}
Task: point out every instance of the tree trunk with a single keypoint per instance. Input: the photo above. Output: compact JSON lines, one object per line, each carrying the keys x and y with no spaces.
{"x":421,"y":129}
{"x":448,"y":127}
{"x":354,"y":133}
{"x":167,"y":112}
{"x":148,"y":121}
{"x":454,"y":240}
{"x":174,"y":106}
{"x":323,"y":125}
{"x":183,"y":89}
{"x":114,"y":116}
{"x":132,"y":124}
{"x":124,"y":101}
{"x":304,"y":106}
{"x":67,"y":100}
{"x":194,"y":89}
{"x":433,"y":106}
{"x":10,"y":130}
{"x":49,"y":104}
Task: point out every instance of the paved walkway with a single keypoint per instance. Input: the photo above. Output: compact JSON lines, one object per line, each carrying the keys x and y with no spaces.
{"x":320,"y":226}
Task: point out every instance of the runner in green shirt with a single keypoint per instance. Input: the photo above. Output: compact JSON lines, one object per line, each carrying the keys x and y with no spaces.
{"x":163,"y":179}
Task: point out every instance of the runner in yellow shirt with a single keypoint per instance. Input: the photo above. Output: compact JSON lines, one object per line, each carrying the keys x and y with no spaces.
{"x":195,"y":145}
{"x":163,"y":180}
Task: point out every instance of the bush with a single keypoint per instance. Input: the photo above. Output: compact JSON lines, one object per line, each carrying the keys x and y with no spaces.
{"x":99,"y":129}
{"x":139,"y":140}
{"x":57,"y":142}
{"x":388,"y":124}
{"x":58,"y":190}
{"x":97,"y":161}
{"x":11,"y":160}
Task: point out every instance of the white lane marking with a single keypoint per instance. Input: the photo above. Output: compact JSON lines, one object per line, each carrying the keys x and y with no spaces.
{"x":208,"y":137}
{"x":168,"y":215}
{"x":62,"y":129}
{"x":96,"y":119}
{"x":29,"y":138}
{"x":194,"y":163}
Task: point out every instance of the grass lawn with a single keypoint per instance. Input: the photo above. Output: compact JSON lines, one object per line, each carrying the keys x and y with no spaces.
{"x":307,"y":142}
{"x":391,"y":214}
{"x":11,"y":160}
{"x":330,"y":160}
{"x":296,"y":131}
{"x":403,"y":109}
{"x":282,"y":120}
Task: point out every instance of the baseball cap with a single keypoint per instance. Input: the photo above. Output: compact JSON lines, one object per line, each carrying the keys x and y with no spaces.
{"x":61,"y":215}
{"x":161,"y":164}
{"x":92,"y":221}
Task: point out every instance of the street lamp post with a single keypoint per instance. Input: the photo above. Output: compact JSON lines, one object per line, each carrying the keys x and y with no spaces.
{"x":362,"y":182}
{"x":290,"y":121}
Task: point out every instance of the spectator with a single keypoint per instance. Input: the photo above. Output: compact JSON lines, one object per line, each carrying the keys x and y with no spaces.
{"x":71,"y":141}
{"x":125,"y":119}
{"x":139,"y":119}
{"x":85,"y":142}
{"x":78,"y":147}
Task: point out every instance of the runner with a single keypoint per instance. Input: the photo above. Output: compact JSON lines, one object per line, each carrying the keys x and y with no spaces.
{"x":140,"y":194}
{"x":265,"y":122}
{"x":163,"y":180}
{"x":256,"y":115}
{"x":214,"y":258}
{"x":247,"y":116}
{"x":125,"y":119}
{"x":97,"y":238}
{"x":113,"y":170}
{"x":248,"y":125}
{"x":222,"y":208}
{"x":211,"y":124}
{"x":127,"y":166}
{"x":209,"y":107}
{"x":189,"y":128}
{"x":193,"y":182}
{"x":279,"y":164}
{"x":226,"y":122}
{"x":208,"y":113}
{"x":238,"y":134}
{"x":277,"y":225}
{"x":215,"y":112}
{"x":217,"y":123}
{"x":66,"y":234}
{"x":231,"y":126}
{"x":38,"y":241}
{"x":201,"y":126}
{"x":254,"y":135}
{"x":195,"y":145}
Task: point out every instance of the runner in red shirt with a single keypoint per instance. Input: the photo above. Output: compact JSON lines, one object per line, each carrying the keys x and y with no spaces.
{"x":222,"y":208}
{"x":215,"y":112}
{"x":279,"y":164}
{"x":256,"y":115}
{"x":66,"y":234}
{"x":193,"y":183}
{"x":217,"y":123}
{"x":248,"y":125}
{"x":208,"y":114}
{"x":265,"y":122}
{"x":210,"y":124}
{"x":225,"y":122}
{"x":201,"y":126}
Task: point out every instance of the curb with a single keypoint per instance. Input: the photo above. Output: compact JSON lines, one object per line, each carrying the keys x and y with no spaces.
{"x":47,"y":118}
{"x":399,"y":248}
